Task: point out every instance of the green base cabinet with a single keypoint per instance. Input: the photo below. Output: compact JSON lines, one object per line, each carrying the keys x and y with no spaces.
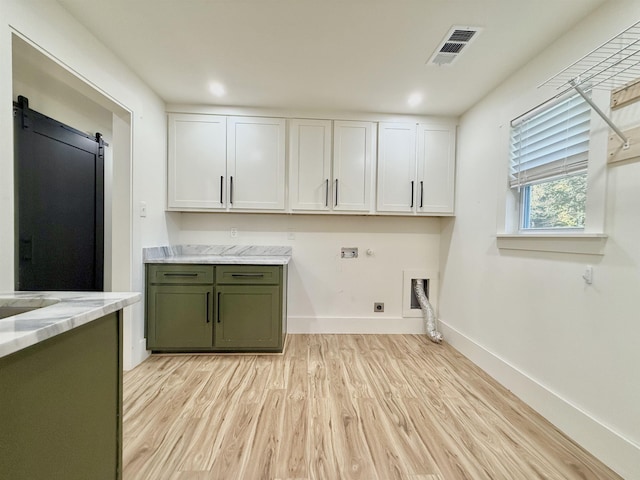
{"x":61,"y":406}
{"x":247,"y":317}
{"x":223,"y":308}
{"x":182,"y":316}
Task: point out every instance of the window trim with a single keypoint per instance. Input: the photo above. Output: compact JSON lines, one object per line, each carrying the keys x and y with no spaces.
{"x":592,"y":239}
{"x":560,"y":242}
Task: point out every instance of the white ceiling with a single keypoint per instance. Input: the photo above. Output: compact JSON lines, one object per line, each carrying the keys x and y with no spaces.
{"x":348,"y":55}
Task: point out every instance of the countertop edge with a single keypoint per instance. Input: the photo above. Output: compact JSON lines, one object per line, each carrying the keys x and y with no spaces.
{"x":222,"y":260}
{"x":73,"y":310}
{"x":218,"y":254}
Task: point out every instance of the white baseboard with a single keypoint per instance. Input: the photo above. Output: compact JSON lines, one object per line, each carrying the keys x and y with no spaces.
{"x":142,"y":352}
{"x":619,"y":453}
{"x":376,"y":324}
{"x":136,"y":356}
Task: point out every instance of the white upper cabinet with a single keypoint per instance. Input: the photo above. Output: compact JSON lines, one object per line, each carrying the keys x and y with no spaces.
{"x":396,"y":167}
{"x":310,"y":181}
{"x":196,"y":161}
{"x":225,"y":163}
{"x":233,"y":163}
{"x":326,"y":180}
{"x":436,"y":169}
{"x":353,"y":156}
{"x":416,"y":168}
{"x":256,"y":163}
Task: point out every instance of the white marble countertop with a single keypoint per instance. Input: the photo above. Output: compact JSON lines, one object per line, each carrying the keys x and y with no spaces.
{"x":219,"y":254}
{"x":70,"y":310}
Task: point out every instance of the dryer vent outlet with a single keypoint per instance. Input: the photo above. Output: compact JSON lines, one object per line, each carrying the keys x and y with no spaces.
{"x":415,"y":304}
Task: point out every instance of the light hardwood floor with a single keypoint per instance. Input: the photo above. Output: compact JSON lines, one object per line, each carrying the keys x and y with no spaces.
{"x":337,"y":407}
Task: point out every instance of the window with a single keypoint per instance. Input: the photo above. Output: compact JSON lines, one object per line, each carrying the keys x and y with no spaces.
{"x":556,"y":203}
{"x":549,"y":158}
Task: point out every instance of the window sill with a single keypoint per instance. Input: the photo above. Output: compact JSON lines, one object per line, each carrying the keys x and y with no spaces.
{"x":580,"y":243}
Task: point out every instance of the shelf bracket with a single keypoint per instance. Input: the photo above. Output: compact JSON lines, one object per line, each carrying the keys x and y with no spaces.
{"x":604,"y":116}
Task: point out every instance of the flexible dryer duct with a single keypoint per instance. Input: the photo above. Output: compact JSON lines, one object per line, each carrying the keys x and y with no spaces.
{"x":427,"y":311}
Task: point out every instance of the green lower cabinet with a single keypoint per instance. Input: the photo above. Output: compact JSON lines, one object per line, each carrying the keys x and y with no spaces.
{"x":223,"y":308}
{"x":248,"y":317}
{"x":61,"y":406}
{"x":182,"y":316}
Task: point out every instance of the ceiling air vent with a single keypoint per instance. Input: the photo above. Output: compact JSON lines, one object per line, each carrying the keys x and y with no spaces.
{"x":452,"y":45}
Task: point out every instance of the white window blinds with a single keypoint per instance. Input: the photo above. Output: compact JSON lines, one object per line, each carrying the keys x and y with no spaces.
{"x":551,"y":143}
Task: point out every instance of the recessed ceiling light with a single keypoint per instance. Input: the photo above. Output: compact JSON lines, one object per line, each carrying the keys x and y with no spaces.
{"x":414,"y":99}
{"x":217,"y":89}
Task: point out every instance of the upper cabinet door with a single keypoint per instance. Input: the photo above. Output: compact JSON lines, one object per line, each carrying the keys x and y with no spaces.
{"x":196,"y":161}
{"x":397,"y":185}
{"x":353,"y":154}
{"x":436,"y":168}
{"x":256,"y":163}
{"x":310,"y":164}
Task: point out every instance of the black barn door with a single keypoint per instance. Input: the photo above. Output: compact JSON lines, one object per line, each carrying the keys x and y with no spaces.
{"x":59,"y":204}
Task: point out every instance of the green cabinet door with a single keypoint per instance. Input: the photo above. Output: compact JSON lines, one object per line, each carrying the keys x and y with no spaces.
{"x":180,"y":317}
{"x":248,"y":317}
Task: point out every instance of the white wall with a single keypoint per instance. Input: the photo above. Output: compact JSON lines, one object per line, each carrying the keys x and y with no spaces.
{"x":328,"y":294}
{"x":48,"y":28}
{"x":568,"y":349}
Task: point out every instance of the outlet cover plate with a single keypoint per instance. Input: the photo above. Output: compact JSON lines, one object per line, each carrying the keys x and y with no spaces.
{"x":350,"y":252}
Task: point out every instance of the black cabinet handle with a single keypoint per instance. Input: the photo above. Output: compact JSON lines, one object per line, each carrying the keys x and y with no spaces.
{"x":221,"y":188}
{"x":251,"y":275}
{"x":326,"y":193}
{"x":218,"y":308}
{"x":231,"y":190}
{"x":185,"y":274}
{"x":336,"y":192}
{"x":412,"y":192}
{"x":208,"y":307}
{"x":421,"y":192}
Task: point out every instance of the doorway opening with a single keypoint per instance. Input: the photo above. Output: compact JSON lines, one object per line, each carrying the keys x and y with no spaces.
{"x":59,"y":93}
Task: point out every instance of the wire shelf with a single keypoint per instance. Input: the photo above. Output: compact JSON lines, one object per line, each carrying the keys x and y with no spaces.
{"x":614,"y":64}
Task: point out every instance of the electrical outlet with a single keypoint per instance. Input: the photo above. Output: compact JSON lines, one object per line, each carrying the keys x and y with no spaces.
{"x":378,"y":307}
{"x":588,"y":275}
{"x":234,"y":232}
{"x":351,"y":252}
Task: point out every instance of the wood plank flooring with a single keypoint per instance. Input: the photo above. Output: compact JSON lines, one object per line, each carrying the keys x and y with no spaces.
{"x":337,"y":407}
